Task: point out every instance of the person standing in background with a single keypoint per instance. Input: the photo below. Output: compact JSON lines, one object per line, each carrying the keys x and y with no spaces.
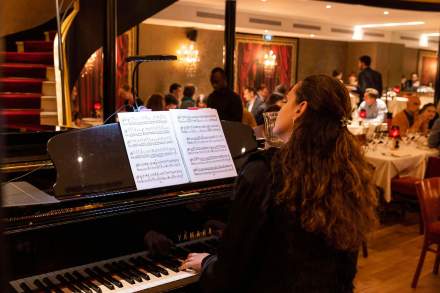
{"x":227,"y":103}
{"x":368,"y":78}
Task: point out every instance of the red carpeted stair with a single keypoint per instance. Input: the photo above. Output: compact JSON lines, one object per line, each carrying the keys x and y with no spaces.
{"x":38,"y":46}
{"x":27,"y":57}
{"x":23,"y":70}
{"x":20,"y":100}
{"x":21,"y":82}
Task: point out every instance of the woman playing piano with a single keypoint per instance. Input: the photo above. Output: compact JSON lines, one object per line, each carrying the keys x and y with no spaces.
{"x":300,"y":213}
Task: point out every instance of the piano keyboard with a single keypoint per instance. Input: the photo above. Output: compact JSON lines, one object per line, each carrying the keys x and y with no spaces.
{"x":131,"y":273}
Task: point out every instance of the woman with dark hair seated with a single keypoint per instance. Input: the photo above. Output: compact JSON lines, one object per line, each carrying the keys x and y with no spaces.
{"x":429,"y":110}
{"x":156,"y":102}
{"x":301,"y":212}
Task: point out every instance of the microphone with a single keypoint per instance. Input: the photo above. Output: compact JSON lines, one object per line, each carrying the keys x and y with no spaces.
{"x":150,"y":58}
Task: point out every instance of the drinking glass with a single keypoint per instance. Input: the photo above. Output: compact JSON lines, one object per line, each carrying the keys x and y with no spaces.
{"x":269,"y":123}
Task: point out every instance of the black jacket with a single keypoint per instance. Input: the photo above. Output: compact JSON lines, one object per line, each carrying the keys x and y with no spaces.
{"x":264,"y":249}
{"x":369,"y":78}
{"x":227,"y":103}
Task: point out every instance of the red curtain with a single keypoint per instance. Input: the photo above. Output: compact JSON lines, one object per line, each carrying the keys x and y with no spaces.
{"x":89,"y":85}
{"x":251,"y":70}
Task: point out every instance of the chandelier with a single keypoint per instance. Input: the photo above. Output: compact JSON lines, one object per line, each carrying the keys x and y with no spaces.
{"x":270,"y":61}
{"x":189,"y":57}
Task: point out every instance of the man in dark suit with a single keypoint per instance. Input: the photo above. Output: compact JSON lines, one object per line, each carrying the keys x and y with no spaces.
{"x":227,"y":103}
{"x":368,"y":78}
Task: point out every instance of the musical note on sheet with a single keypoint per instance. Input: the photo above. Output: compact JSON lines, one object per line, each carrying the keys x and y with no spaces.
{"x":203,"y":144}
{"x":152,"y":149}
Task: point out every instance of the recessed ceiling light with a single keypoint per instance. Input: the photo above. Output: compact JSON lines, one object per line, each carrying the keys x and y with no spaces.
{"x":312,"y":35}
{"x":391,"y":24}
{"x":263,"y":0}
{"x":328,"y":6}
{"x":386,"y":12}
{"x":266,"y":31}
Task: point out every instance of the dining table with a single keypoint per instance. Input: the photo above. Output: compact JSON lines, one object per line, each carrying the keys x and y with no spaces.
{"x":409,"y":159}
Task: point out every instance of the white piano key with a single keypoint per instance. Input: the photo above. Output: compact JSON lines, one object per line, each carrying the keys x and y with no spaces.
{"x":155,"y":284}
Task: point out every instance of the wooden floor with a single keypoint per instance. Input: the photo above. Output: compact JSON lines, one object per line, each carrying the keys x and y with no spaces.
{"x":393,"y":255}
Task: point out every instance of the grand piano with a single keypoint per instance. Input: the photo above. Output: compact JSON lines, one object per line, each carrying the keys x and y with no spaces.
{"x":65,"y":232}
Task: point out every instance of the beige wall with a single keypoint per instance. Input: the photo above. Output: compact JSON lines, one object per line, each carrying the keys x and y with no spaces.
{"x":157,"y":76}
{"x":320,"y":57}
{"x":409,"y":65}
{"x":314,"y":57}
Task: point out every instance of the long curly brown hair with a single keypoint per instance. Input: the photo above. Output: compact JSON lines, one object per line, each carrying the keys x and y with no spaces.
{"x":327,"y":181}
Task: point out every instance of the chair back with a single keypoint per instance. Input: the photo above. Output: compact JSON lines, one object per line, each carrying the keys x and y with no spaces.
{"x":433,"y":167}
{"x":428,"y":191}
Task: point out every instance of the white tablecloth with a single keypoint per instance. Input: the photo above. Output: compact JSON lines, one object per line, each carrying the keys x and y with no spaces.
{"x":398,"y":104}
{"x":408,"y":160}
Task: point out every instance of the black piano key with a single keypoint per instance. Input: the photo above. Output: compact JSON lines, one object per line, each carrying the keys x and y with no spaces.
{"x":134,"y":270}
{"x":129,"y":272}
{"x":151,"y":269}
{"x":149,"y":265}
{"x":79,"y":284}
{"x":169,"y":263}
{"x":41,"y":286}
{"x":66,"y":283}
{"x":51,"y":285}
{"x":90,"y":284}
{"x":114,"y":269}
{"x":100,"y":279}
{"x":25,"y":288}
{"x":108,"y":276}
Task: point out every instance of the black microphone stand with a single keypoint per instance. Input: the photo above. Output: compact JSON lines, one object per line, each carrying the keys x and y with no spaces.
{"x":135,"y":73}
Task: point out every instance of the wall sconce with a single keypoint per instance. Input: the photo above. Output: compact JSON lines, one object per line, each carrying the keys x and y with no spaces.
{"x":270,"y":61}
{"x":188,"y":55}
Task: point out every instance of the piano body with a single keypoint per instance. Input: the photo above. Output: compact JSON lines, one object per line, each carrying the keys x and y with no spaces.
{"x":86,"y":233}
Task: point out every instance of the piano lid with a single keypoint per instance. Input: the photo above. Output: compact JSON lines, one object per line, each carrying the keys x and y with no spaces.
{"x":94,"y":160}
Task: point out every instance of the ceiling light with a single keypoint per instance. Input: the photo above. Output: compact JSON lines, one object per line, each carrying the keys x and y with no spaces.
{"x":386,"y":12}
{"x":423,"y":42}
{"x":263,"y":0}
{"x":358,"y":33}
{"x":328,"y":6}
{"x":266,"y":31}
{"x":433,"y":34}
{"x":391,"y":24}
{"x":312,"y":35}
{"x":424,"y":39}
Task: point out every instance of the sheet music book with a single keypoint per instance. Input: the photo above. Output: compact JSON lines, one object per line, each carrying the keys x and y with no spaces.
{"x":174,"y":147}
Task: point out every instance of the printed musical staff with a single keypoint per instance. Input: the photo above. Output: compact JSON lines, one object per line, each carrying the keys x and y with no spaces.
{"x":152,"y":149}
{"x":203,"y":144}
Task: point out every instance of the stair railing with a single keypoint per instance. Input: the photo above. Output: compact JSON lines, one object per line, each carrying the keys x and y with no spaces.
{"x":64,"y":22}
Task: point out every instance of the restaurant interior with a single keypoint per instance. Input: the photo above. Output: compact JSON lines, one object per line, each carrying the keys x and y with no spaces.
{"x":71,"y":69}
